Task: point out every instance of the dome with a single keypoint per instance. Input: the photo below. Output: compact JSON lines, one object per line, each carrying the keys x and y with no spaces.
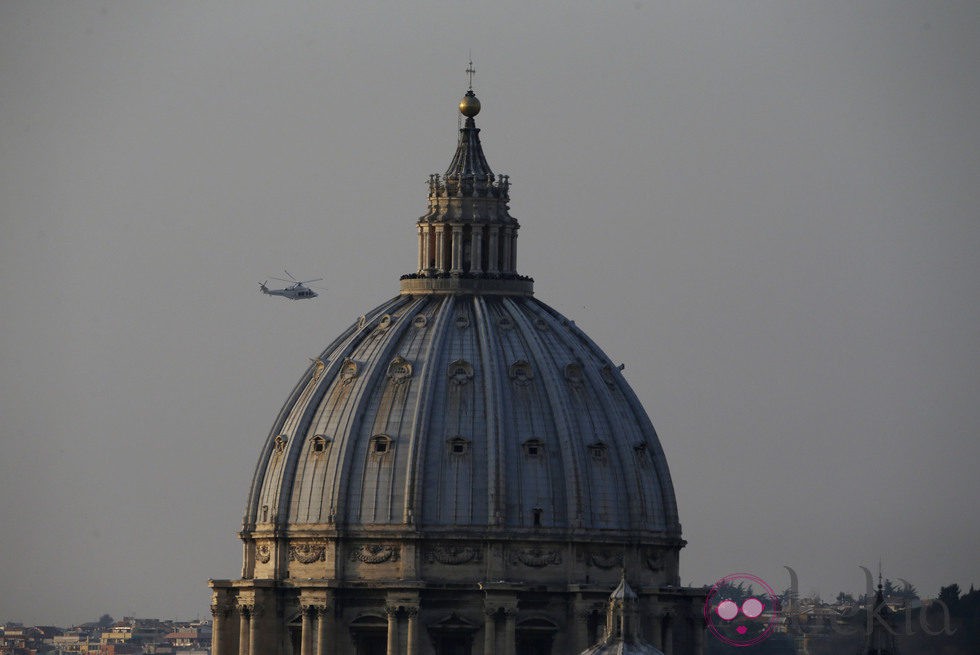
{"x":462,"y":470}
{"x":622,"y":626}
{"x":465,"y":412}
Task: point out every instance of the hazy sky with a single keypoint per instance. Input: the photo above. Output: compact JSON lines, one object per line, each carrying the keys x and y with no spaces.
{"x":770,"y":211}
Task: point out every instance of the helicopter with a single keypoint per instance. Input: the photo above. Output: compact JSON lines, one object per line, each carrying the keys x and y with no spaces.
{"x":297,"y":291}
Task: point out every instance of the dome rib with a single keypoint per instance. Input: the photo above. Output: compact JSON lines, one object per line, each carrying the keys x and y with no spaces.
{"x":576,"y":412}
{"x":346,"y":342}
{"x":553,"y":387}
{"x":375,"y":354}
{"x":496,"y":474}
{"x":372,"y":387}
{"x":666,"y":502}
{"x":613,"y":424}
{"x":258,"y":477}
{"x":664,"y":507}
{"x":297,"y":440}
{"x":414,"y":484}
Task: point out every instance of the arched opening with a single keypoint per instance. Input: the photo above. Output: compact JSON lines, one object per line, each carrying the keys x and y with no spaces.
{"x":370,"y":635}
{"x":452,"y":635}
{"x":430,"y":234}
{"x":485,"y":239}
{"x":594,"y":623}
{"x":535,"y":636}
{"x":467,"y":248}
{"x":294,"y":633}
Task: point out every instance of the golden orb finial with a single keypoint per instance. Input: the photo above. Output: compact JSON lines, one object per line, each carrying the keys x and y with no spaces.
{"x":469,"y":106}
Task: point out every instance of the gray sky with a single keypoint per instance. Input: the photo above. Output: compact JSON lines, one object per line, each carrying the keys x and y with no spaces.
{"x":768,"y":210}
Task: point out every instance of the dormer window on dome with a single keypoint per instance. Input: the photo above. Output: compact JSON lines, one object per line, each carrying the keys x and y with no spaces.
{"x":534,"y":448}
{"x":458,"y":446}
{"x":319,"y":443}
{"x":380,"y":444}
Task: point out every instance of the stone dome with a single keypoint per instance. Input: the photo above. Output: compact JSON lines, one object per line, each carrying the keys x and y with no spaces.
{"x":462,"y":470}
{"x":465,"y":412}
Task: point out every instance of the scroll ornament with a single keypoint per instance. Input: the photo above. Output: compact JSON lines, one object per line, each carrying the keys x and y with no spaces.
{"x":374,"y":553}
{"x":605,"y":559}
{"x":263,"y":553}
{"x":452,"y":554}
{"x":535,"y":556}
{"x":307,"y":553}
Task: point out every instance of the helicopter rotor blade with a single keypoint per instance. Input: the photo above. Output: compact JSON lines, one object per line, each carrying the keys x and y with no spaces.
{"x":283,"y":280}
{"x":314,"y":280}
{"x":290,"y":275}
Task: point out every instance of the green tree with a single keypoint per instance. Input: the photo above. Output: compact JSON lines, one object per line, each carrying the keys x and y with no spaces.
{"x":907,"y":591}
{"x":950,"y":597}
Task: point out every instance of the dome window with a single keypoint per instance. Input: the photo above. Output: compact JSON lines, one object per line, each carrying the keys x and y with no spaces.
{"x":460,"y":372}
{"x":380,"y":444}
{"x":606,"y":372}
{"x":281,"y":443}
{"x":400,"y":369}
{"x":642,"y":453}
{"x":574,"y":375}
{"x":318,"y":367}
{"x":320,"y":442}
{"x":348,"y":371}
{"x":520,"y":373}
{"x":534,"y":448}
{"x":598,"y":451}
{"x":458,"y":446}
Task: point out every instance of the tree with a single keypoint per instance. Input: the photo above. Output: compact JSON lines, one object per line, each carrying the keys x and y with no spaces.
{"x":907,"y":591}
{"x":950,"y":597}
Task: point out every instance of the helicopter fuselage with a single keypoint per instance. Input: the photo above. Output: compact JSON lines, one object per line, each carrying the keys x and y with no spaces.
{"x":295,"y":292}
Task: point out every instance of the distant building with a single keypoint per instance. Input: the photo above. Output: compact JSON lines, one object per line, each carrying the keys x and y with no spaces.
{"x":622,"y":631}
{"x":881,"y":633}
{"x":19,"y":640}
{"x":188,"y":637}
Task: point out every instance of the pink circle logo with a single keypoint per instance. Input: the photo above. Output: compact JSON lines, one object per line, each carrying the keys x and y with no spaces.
{"x":741,"y":610}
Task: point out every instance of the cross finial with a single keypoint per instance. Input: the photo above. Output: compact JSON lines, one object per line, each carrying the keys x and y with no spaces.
{"x":470,"y":71}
